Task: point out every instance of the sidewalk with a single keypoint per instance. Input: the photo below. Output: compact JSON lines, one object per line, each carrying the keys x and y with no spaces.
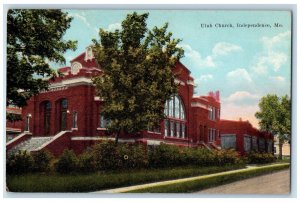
{"x":271,"y":183}
{"x":169,"y":182}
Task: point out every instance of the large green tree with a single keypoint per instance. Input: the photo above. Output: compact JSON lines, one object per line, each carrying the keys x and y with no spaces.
{"x":34,"y":39}
{"x":137,"y":79}
{"x":275,"y":117}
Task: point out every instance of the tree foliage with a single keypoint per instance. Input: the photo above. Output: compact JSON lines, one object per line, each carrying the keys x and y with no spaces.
{"x":137,"y":79}
{"x":34,"y":38}
{"x":275,"y":117}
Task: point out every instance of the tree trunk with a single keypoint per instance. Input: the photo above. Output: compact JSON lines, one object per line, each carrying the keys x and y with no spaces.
{"x":280,"y":149}
{"x":117,"y":137}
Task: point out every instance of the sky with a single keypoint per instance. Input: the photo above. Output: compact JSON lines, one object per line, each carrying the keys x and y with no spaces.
{"x":243,"y":63}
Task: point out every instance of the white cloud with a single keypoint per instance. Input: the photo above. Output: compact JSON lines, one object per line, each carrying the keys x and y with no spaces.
{"x":221,"y":48}
{"x":206,"y":77}
{"x":196,"y":57}
{"x":114,"y":27}
{"x":239,"y":74}
{"x":277,"y":78}
{"x":277,"y":59}
{"x":270,"y":42}
{"x":224,"y":48}
{"x":240,"y":96}
{"x":273,"y":57}
{"x":273,"y":60}
{"x":81,"y":17}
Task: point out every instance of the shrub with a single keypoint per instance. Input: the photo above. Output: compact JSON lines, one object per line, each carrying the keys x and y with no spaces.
{"x":105,"y":155}
{"x":260,"y":158}
{"x":225,"y":157}
{"x":164,"y":155}
{"x":19,"y":163}
{"x":109,"y":156}
{"x":203,"y":157}
{"x":169,"y":155}
{"x":86,"y":161}
{"x":67,"y":162}
{"x":133,"y":156}
{"x":42,"y":160}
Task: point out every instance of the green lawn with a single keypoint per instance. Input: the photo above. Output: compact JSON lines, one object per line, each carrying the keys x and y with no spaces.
{"x":207,"y":182}
{"x":103,"y":180}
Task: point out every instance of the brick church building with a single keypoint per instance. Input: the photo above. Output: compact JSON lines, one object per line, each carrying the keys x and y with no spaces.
{"x":68,"y":115}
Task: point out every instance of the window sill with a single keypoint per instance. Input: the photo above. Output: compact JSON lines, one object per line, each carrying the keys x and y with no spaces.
{"x":152,"y":132}
{"x":101,"y":129}
{"x":74,"y":128}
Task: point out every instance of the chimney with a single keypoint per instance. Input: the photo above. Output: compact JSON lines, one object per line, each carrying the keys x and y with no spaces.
{"x":218,"y":95}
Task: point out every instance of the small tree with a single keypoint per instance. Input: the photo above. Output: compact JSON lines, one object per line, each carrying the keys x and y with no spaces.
{"x":137,"y":78}
{"x":275,"y":117}
{"x":34,"y":38}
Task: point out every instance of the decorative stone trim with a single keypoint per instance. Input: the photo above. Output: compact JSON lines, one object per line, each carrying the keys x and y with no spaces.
{"x":152,"y":132}
{"x":55,"y":88}
{"x":88,"y":54}
{"x":198,"y":104}
{"x":13,"y":129}
{"x":153,"y":142}
{"x":69,"y":82}
{"x":177,"y":81}
{"x":101,"y":128}
{"x":77,"y":81}
{"x":97,"y":98}
{"x":86,"y":138}
{"x":75,"y":67}
{"x":190,"y":82}
{"x":101,"y":138}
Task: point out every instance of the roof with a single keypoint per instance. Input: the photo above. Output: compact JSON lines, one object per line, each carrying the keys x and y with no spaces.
{"x":64,"y":69}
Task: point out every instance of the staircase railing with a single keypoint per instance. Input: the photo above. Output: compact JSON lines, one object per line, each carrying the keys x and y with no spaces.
{"x":215,"y":146}
{"x":17,"y":140}
{"x":206,"y":146}
{"x":57,"y":144}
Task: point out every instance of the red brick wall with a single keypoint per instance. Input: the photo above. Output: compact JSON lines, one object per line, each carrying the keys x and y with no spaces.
{"x":60,"y":144}
{"x":81,"y":98}
{"x":17,"y":125}
{"x":240,"y":128}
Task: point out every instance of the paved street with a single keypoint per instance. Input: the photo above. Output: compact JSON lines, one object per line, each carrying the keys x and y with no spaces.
{"x":275,"y":183}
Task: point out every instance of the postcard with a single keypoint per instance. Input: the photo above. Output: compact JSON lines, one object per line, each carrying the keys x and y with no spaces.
{"x":148,"y":101}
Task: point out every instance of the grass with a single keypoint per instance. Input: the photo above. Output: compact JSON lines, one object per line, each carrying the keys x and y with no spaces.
{"x":207,"y":182}
{"x":283,"y":160}
{"x":39,"y":182}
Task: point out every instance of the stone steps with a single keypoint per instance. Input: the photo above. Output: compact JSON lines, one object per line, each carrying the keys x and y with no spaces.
{"x":30,"y":145}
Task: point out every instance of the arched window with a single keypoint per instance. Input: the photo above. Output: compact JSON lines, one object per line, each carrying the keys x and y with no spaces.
{"x":63,"y":114}
{"x":175,"y":124}
{"x":64,"y":103}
